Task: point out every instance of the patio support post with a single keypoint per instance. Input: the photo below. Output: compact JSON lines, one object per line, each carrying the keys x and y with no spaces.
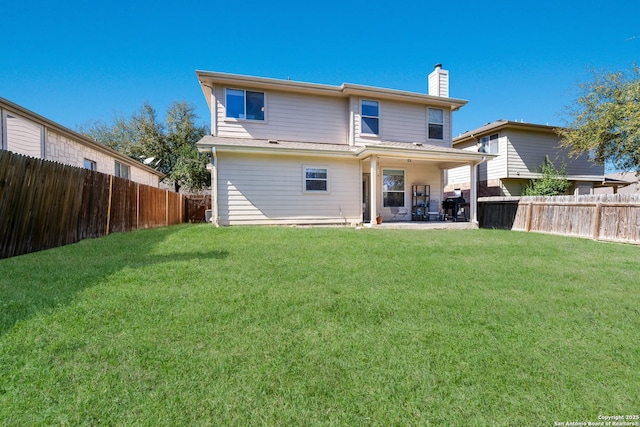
{"x":473,"y":193}
{"x":373,"y":201}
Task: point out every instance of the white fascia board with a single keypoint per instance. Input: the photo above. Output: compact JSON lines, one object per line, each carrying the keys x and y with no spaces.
{"x":343,"y":91}
{"x":263,"y":83}
{"x":491,"y":128}
{"x":403,"y":96}
{"x":74,"y":136}
{"x":470,"y":157}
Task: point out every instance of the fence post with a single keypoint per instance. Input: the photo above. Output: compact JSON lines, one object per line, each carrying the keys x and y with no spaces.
{"x":527,"y":226}
{"x":596,"y":221}
{"x":109,"y":204}
{"x":182,"y":199}
{"x":137,"y":206}
{"x":166,"y":208}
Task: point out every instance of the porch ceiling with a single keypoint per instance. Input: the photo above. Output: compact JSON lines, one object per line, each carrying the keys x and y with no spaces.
{"x":402,"y":160}
{"x":445,"y":157}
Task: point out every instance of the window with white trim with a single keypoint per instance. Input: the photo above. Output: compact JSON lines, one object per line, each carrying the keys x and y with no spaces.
{"x":316,"y":179}
{"x":122,"y":170}
{"x":370,"y":112}
{"x":392,"y":188}
{"x":245,"y":104}
{"x":436,"y":123}
{"x":489,"y":144}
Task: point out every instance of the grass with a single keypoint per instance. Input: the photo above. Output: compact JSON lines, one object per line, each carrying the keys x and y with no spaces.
{"x":192,"y":325}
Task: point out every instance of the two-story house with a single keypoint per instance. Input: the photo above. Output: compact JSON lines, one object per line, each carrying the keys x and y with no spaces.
{"x":287,"y":152}
{"x":520,"y":149}
{"x":24,"y":132}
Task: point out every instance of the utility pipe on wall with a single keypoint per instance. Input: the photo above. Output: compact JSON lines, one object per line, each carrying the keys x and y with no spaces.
{"x":214,"y":187}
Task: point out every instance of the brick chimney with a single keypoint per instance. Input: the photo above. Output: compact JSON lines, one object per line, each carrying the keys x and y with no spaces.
{"x":439,"y":82}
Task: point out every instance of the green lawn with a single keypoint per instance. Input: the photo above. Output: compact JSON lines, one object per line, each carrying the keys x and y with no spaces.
{"x":193,"y":325}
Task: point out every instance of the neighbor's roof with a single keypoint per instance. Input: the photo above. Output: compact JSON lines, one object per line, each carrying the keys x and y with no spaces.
{"x":207,"y":79}
{"x":475,"y":134}
{"x":73,"y":135}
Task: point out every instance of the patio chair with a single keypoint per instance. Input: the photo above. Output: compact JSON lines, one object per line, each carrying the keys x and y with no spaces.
{"x":433,"y":212}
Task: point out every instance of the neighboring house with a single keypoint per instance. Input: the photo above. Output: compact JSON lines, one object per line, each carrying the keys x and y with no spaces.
{"x":27,"y":133}
{"x":521,"y":148}
{"x":287,"y":152}
{"x":631,"y":178}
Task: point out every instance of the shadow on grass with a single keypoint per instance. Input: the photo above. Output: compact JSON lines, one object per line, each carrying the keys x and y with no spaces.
{"x":42,"y":281}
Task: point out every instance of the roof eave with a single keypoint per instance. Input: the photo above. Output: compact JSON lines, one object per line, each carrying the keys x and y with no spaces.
{"x":396,"y":152}
{"x":215,"y":78}
{"x":205,"y":147}
{"x":75,"y":136}
{"x":208,"y":79}
{"x":399,"y":95}
{"x":476,"y":134}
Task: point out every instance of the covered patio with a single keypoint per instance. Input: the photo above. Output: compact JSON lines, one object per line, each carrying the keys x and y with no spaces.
{"x":407,"y":168}
{"x":424,"y":225}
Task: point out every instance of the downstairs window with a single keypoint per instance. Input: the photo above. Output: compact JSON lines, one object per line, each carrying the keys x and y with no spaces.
{"x":393,"y":188}
{"x":316,"y":179}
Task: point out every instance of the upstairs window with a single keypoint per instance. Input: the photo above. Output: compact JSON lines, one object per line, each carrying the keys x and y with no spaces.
{"x":370,"y":112}
{"x":489,"y":144}
{"x":245,"y":104}
{"x":122,"y":170}
{"x":393,"y":188}
{"x":316,"y":179}
{"x":90,"y":164}
{"x":436,"y":123}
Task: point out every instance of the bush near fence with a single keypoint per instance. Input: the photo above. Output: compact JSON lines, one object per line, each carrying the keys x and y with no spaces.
{"x":45,"y":204}
{"x":607,"y":217}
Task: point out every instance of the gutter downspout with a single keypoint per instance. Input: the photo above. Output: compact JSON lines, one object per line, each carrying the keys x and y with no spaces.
{"x":214,"y":188}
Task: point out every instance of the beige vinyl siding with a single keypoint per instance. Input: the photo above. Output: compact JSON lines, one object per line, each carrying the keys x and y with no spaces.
{"x":527,"y":151}
{"x":495,"y":168}
{"x":439,"y":83}
{"x":357,"y":121}
{"x":23,"y":136}
{"x":415,"y":173}
{"x":401,"y":122}
{"x":513,"y":187}
{"x":456,"y":177}
{"x":461,"y":175}
{"x":290,"y":117}
{"x":266,"y":189}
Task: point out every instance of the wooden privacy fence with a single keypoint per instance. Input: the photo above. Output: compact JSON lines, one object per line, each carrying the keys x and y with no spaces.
{"x":608,"y":217}
{"x":44,"y":204}
{"x":196,"y":206}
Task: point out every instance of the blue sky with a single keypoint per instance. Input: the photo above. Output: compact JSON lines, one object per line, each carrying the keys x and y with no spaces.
{"x":76,"y":62}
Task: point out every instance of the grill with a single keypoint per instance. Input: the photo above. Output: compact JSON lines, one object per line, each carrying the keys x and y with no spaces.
{"x":453,"y":208}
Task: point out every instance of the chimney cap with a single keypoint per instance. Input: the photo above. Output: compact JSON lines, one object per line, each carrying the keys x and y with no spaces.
{"x":437,"y":66}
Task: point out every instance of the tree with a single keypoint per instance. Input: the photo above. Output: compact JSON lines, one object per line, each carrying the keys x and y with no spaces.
{"x":606,"y":120}
{"x":170,"y":147}
{"x":553,"y":181}
{"x":117,"y":135}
